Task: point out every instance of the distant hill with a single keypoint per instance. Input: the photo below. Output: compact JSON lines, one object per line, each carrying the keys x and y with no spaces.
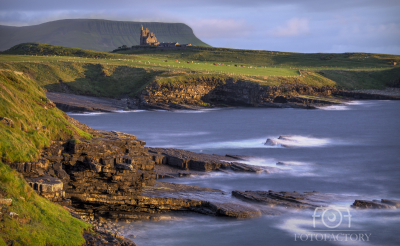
{"x":100,"y":35}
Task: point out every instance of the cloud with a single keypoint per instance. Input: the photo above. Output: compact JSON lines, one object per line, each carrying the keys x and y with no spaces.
{"x":293,"y":27}
{"x":220,"y":28}
{"x":336,"y":26}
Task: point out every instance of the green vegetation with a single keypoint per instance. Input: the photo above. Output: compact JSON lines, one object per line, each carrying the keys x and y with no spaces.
{"x":85,"y":78}
{"x":101,"y":35}
{"x":364,"y":79}
{"x":275,"y":59}
{"x":36,"y":121}
{"x":54,"y":50}
{"x":39,"y":221}
{"x":115,"y":75}
{"x":32,"y":122}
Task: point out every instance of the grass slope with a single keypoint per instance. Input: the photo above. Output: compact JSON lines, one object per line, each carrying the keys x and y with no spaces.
{"x":100,"y":35}
{"x":36,"y":122}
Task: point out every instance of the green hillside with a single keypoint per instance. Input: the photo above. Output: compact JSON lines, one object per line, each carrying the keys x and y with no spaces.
{"x":100,"y":35}
{"x":115,"y":75}
{"x":31,"y":122}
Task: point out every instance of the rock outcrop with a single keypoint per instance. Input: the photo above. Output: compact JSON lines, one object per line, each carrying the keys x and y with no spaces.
{"x":215,"y":92}
{"x":209,"y":91}
{"x":114,"y":176}
{"x":99,"y":175}
{"x":190,"y":161}
{"x":376,"y":204}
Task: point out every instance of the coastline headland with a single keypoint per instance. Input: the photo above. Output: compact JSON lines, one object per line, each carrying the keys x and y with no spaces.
{"x":101,"y":176}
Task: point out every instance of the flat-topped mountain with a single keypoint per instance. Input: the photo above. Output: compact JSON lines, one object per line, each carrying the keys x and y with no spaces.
{"x":101,"y":35}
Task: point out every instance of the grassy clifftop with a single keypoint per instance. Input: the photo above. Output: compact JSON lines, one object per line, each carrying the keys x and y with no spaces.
{"x":29,"y":122}
{"x":101,"y":35}
{"x":114,"y":75}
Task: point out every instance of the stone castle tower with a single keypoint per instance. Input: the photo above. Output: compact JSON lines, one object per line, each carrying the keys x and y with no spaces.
{"x":147,"y":37}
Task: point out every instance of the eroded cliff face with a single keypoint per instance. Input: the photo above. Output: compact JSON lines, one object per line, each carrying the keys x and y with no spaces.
{"x":103,"y":175}
{"x":215,"y":92}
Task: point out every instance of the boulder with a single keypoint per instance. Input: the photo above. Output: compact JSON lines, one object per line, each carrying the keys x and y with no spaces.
{"x":363,"y":204}
{"x":124,"y":166}
{"x":271,"y":142}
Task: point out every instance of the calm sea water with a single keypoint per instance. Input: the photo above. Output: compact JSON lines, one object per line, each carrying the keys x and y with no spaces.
{"x":351,"y":150}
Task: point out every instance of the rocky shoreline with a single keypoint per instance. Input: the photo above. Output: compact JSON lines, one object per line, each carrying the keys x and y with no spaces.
{"x":115,"y":178}
{"x":209,"y":93}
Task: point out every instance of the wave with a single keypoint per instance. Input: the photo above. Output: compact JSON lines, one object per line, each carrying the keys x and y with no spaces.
{"x":355,"y":103}
{"x":197,"y":111}
{"x":298,"y":141}
{"x":347,"y":105}
{"x":100,"y":113}
{"x":254,"y":143}
{"x":129,"y":111}
{"x":235,"y":144}
{"x":177,"y":134}
{"x":87,"y":113}
{"x":335,"y":107}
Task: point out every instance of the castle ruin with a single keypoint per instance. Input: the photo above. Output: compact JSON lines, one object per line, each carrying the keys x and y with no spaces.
{"x":148,"y":40}
{"x":147,"y":37}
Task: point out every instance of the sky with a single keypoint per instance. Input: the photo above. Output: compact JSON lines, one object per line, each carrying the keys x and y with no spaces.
{"x":308,"y":26}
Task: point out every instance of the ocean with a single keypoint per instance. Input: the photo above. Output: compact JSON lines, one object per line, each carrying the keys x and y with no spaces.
{"x":350,"y":151}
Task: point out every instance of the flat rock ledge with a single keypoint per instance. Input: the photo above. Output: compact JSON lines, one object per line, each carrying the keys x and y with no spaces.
{"x":296,"y":200}
{"x":190,"y":162}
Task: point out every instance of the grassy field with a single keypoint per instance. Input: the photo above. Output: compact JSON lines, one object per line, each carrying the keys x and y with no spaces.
{"x":116,"y":75}
{"x":276,"y":59}
{"x":35,"y":123}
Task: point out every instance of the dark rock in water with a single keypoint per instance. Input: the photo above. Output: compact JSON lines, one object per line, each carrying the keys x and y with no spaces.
{"x":363,"y":204}
{"x":238,"y":157}
{"x":285,"y":199}
{"x":395,"y":203}
{"x":235,"y":210}
{"x":282,"y":163}
{"x":236,"y":166}
{"x":190,"y":161}
{"x":271,"y":142}
{"x":278,"y":141}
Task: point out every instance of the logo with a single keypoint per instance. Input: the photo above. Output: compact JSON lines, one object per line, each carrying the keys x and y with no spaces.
{"x":332,"y":224}
{"x":332,"y":217}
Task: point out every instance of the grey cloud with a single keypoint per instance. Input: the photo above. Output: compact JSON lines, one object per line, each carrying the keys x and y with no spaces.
{"x":286,"y":25}
{"x":28,"y":5}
